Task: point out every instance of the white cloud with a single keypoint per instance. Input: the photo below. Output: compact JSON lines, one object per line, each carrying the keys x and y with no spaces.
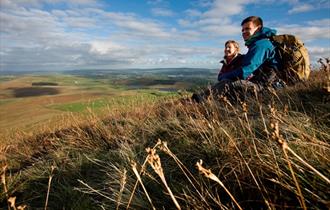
{"x":193,"y":13}
{"x":80,"y":22}
{"x":155,"y":2}
{"x":291,"y":2}
{"x":54,"y":39}
{"x":105,"y":47}
{"x":40,"y":3}
{"x":317,"y":52}
{"x":223,"y":8}
{"x":162,"y":12}
{"x":180,"y":56}
{"x":184,"y":23}
{"x":217,"y":19}
{"x":59,"y":13}
{"x":203,"y":3}
{"x":306,"y":33}
{"x":301,"y":8}
{"x":81,"y":34}
{"x":323,"y":22}
{"x":51,"y":40}
{"x":139,"y":27}
{"x":31,"y":27}
{"x":306,"y":6}
{"x":298,"y":6}
{"x":93,"y":2}
{"x":223,"y":30}
{"x":34,"y":3}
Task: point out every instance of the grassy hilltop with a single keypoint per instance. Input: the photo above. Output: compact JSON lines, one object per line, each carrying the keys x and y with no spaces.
{"x":268,"y":152}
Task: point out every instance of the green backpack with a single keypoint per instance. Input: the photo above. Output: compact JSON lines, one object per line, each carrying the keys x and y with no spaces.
{"x":293,"y":58}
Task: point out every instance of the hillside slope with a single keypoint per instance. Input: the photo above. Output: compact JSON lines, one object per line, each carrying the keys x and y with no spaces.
{"x":270,"y":152}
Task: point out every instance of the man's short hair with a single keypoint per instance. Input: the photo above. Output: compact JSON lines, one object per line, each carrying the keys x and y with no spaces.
{"x":257,"y":21}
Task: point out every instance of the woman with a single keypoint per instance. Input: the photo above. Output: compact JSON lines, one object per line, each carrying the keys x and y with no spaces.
{"x":232,"y":60}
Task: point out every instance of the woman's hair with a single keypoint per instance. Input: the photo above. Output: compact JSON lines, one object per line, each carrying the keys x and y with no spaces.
{"x":236,"y":45}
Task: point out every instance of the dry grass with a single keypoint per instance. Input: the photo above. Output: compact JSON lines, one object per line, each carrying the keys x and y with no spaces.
{"x":268,"y":152}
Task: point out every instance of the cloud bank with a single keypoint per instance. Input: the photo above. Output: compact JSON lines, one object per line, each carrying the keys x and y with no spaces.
{"x":87,"y":34}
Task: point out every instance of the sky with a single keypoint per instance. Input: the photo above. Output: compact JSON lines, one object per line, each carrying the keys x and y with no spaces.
{"x":57,"y":35}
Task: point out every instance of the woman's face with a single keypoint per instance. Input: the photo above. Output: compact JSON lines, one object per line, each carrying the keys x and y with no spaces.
{"x":230,"y":50}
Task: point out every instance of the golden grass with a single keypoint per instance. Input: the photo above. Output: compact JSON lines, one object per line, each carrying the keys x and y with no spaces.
{"x":266,"y":152}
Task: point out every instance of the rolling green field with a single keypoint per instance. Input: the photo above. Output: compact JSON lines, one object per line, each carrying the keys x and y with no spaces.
{"x":32,"y":100}
{"x":119,"y":101}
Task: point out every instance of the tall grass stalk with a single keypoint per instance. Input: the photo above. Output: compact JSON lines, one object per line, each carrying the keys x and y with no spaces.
{"x":4,"y":183}
{"x":248,"y":167}
{"x":133,"y":165}
{"x":122,"y":187}
{"x":277,"y":136}
{"x":154,"y":162}
{"x":302,"y":199}
{"x":49,"y":183}
{"x":163,"y":146}
{"x":210,"y":175}
{"x":286,"y":147}
{"x":140,"y":181}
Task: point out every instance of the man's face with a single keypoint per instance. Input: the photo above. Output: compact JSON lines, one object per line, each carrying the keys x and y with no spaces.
{"x":249,"y":29}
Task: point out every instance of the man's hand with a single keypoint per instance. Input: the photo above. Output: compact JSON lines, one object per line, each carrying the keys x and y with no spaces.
{"x":250,"y":77}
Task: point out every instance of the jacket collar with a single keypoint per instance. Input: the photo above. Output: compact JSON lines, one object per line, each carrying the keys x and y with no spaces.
{"x":263,"y":33}
{"x":224,"y":61}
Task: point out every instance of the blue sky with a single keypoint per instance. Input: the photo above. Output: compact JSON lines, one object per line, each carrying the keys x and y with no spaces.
{"x":92,"y":34}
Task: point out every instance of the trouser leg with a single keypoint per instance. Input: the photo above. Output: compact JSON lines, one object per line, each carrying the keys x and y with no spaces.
{"x":235,"y":90}
{"x":243,"y":88}
{"x":213,"y":90}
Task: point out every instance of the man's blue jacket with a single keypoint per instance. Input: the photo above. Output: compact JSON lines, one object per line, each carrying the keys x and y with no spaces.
{"x":261,"y":52}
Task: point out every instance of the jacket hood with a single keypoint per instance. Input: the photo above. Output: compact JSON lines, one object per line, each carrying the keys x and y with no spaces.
{"x":263,"y":33}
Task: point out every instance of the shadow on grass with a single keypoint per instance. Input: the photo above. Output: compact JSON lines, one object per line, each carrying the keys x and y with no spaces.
{"x":34,"y":91}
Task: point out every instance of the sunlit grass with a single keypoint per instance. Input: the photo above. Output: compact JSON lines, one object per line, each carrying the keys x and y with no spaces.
{"x":269,"y":152}
{"x":114,"y":102}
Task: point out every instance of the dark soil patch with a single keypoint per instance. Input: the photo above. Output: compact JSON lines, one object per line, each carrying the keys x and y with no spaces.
{"x":44,"y":84}
{"x":34,"y":91}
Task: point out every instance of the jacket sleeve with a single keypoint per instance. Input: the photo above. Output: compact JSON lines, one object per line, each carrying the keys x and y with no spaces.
{"x":220,"y":73}
{"x":219,"y":76}
{"x":256,"y":56}
{"x":232,"y":75}
{"x":236,"y":71}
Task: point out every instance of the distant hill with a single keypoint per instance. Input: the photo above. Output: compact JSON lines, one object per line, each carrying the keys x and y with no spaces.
{"x":131,"y":71}
{"x":194,"y":72}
